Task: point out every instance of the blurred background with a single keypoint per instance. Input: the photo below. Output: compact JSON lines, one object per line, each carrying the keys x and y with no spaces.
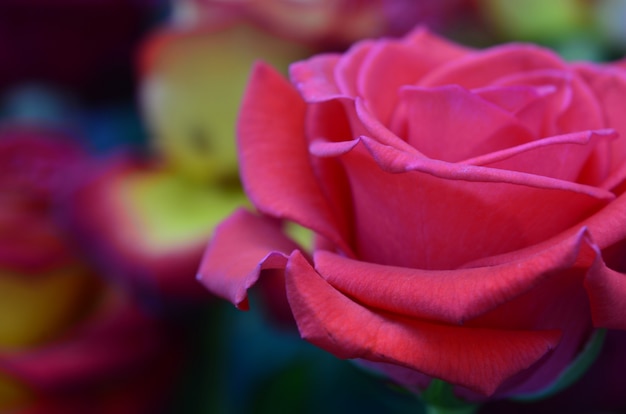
{"x":117,"y":160}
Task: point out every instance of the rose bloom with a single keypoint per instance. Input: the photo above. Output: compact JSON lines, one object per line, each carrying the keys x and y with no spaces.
{"x":467,"y":208}
{"x":70,"y":341}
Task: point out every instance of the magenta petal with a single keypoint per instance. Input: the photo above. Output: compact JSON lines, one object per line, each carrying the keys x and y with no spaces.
{"x":399,"y":63}
{"x":482,"y":68}
{"x":315,"y":78}
{"x":607,"y":295}
{"x":605,"y":228}
{"x":570,"y":107}
{"x":513,"y":98}
{"x":562,"y":156}
{"x":395,"y":161}
{"x":322,"y":148}
{"x":243,"y":245}
{"x":450,"y":123}
{"x":349,"y":66}
{"x":609,"y":86}
{"x":479,"y":359}
{"x":437,"y":49}
{"x":380,"y":132}
{"x":473,"y":212}
{"x":275,"y":167}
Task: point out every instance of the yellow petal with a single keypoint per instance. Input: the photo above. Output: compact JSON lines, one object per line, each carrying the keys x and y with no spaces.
{"x":36,"y":308}
{"x":12,"y":394}
{"x":172,"y":212}
{"x":191,"y":88}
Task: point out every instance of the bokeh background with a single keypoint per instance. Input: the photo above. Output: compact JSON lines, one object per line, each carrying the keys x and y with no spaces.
{"x":117,"y":160}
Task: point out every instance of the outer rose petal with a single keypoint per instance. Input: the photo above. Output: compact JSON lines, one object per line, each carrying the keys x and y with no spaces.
{"x":607,"y":296}
{"x":243,"y":245}
{"x":606,"y":227}
{"x":451,"y":296}
{"x":479,"y":359}
{"x":275,"y":166}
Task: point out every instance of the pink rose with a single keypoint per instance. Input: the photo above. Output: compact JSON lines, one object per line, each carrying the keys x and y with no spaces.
{"x":467,"y":208}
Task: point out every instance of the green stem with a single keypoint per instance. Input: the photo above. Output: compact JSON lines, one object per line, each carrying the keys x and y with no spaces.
{"x":439,"y":398}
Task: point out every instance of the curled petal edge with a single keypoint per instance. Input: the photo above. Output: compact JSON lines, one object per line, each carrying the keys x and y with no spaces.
{"x":271,"y":148}
{"x":243,"y":246}
{"x":418,"y":293}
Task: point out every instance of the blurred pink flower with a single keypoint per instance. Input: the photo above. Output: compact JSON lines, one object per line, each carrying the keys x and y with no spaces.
{"x":148,"y":221}
{"x":330,"y":24}
{"x":67,"y":336}
{"x":147,"y":226}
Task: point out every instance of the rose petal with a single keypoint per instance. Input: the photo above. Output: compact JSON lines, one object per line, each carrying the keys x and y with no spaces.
{"x":479,"y":359}
{"x":333,"y":120}
{"x":349,"y":66}
{"x":572,"y":107}
{"x":314,"y":78}
{"x":513,"y":98}
{"x":380,"y":132}
{"x":559,"y":302}
{"x":607,"y":295}
{"x":275,"y":166}
{"x":411,"y":59}
{"x":451,"y":296}
{"x":484,"y":67}
{"x":562,"y":157}
{"x":437,"y":48}
{"x":609,"y":86}
{"x":323,"y":148}
{"x":605,"y":227}
{"x":472,"y":211}
{"x":243,"y":246}
{"x":615,"y":181}
{"x":396,"y":161}
{"x":450,"y":123}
